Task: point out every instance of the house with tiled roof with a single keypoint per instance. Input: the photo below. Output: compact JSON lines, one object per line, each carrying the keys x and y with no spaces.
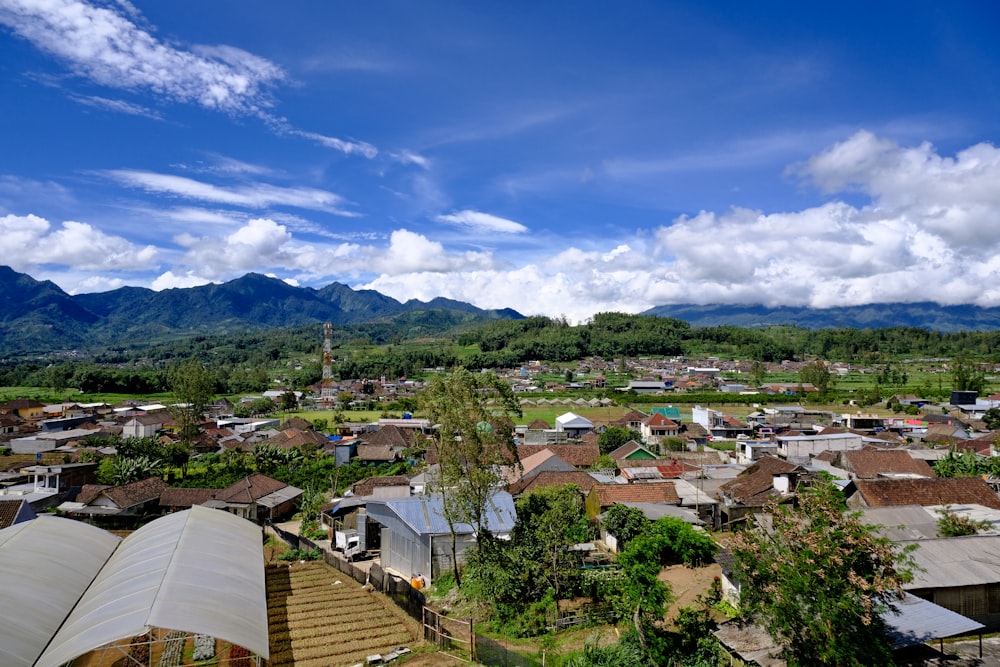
{"x":926,"y":491}
{"x":657,"y":427}
{"x":257,"y":498}
{"x":392,"y":486}
{"x":770,"y":478}
{"x":631,"y":450}
{"x":134,"y":499}
{"x":539,"y":424}
{"x":178,"y":499}
{"x":603,"y":496}
{"x":579,"y":455}
{"x":27,"y":409}
{"x":632,"y":419}
{"x":549,"y":478}
{"x":945,"y":434}
{"x":873,"y":463}
{"x":14,"y":510}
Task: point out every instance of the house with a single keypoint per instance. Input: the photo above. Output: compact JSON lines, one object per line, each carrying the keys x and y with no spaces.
{"x":27,"y":409}
{"x":657,"y":427}
{"x":921,"y":491}
{"x":573,"y":424}
{"x":543,"y":461}
{"x":801,"y":448}
{"x":393,"y":486}
{"x":631,"y":451}
{"x":144,"y":425}
{"x":959,"y":573}
{"x":178,"y":499}
{"x":548,"y":478}
{"x":768,"y":479}
{"x":873,"y":464}
{"x":131,"y":500}
{"x":646,"y":386}
{"x":632,"y":420}
{"x":257,"y":498}
{"x":603,"y":496}
{"x":749,"y":452}
{"x":581,"y":455}
{"x":415,"y":539}
{"x":14,"y":510}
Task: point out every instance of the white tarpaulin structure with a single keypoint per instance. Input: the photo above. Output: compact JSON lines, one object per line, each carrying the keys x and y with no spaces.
{"x":199,"y":571}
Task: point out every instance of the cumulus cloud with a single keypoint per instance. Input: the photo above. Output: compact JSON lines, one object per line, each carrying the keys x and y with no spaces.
{"x":482,"y":222}
{"x":112,"y":50}
{"x":253,"y":195}
{"x":169,"y":280}
{"x":28,"y":241}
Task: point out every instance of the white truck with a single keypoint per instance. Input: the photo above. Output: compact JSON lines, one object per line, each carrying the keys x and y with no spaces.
{"x":348,"y":542}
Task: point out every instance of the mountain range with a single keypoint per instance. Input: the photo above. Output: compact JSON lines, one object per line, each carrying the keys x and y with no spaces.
{"x":38,"y":317}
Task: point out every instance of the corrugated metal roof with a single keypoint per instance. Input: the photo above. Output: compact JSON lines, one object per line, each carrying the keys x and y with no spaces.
{"x":425,"y":514}
{"x":919,"y":621}
{"x":198,"y":571}
{"x":956,"y":561}
{"x":40,"y":584}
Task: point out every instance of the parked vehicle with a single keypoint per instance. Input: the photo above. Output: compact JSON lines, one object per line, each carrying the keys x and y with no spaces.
{"x":348,"y":542}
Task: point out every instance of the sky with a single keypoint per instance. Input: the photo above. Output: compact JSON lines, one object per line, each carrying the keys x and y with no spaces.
{"x":559,"y":158}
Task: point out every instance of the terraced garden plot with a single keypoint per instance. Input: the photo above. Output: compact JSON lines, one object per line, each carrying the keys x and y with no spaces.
{"x":314,"y":621}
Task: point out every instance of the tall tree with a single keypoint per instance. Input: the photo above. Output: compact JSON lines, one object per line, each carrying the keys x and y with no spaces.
{"x":475,"y":438}
{"x":821,"y":580}
{"x":193,"y":387}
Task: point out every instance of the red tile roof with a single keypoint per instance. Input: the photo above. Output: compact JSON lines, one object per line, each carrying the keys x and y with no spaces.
{"x":934,"y":491}
{"x":548,"y":478}
{"x":581,"y":456}
{"x":652,"y":492}
{"x":755,"y":485}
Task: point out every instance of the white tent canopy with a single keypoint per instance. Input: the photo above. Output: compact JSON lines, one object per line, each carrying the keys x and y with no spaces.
{"x":198,"y":571}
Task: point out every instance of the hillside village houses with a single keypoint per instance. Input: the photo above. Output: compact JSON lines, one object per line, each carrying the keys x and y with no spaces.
{"x":881,"y":462}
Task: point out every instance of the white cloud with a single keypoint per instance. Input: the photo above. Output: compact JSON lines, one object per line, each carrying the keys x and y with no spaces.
{"x":118,"y":106}
{"x":169,"y":280}
{"x":253,"y":195}
{"x":409,"y":157}
{"x":482,"y":222}
{"x":347,"y":147}
{"x":28,"y":241}
{"x":113,"y":51}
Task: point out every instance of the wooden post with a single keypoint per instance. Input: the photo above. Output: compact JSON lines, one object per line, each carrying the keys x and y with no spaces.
{"x":472,"y":641}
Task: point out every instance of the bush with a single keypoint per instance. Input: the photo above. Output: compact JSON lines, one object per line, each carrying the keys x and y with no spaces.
{"x":301,"y":554}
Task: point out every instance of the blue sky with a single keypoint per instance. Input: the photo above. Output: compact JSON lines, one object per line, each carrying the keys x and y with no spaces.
{"x":562,"y":158}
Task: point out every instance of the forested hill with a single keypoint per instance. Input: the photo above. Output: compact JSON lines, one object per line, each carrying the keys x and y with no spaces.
{"x":925,"y":315}
{"x":615,"y":335}
{"x":39,"y":317}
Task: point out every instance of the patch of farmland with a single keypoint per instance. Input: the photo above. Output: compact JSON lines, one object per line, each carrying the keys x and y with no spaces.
{"x":319,"y":617}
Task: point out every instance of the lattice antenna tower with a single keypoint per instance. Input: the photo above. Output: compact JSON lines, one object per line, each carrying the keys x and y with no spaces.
{"x":327,"y":356}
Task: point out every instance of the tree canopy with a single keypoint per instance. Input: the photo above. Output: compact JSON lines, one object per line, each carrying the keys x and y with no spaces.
{"x":819,"y":580}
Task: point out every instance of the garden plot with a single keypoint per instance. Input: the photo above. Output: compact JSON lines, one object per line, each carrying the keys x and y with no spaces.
{"x":318,"y":616}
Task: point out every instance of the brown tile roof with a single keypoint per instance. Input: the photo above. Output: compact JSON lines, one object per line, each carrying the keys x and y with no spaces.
{"x":539,"y":424}
{"x":870,"y":463}
{"x":135,"y":493}
{"x":755,"y":485}
{"x":366,"y":487}
{"x":174,"y":497}
{"x":548,"y":478}
{"x":376,"y":453}
{"x":9,"y":510}
{"x":250,"y":489}
{"x":581,"y":456}
{"x":629,"y":447}
{"x":653,"y":492}
{"x":88,"y":492}
{"x":389,"y":435}
{"x":631,"y":416}
{"x":294,"y":437}
{"x":934,"y":491}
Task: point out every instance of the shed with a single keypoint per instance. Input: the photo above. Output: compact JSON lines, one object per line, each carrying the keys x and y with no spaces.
{"x":416,"y":539}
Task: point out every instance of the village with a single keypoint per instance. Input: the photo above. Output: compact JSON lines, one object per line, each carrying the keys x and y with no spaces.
{"x":711,"y":470}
